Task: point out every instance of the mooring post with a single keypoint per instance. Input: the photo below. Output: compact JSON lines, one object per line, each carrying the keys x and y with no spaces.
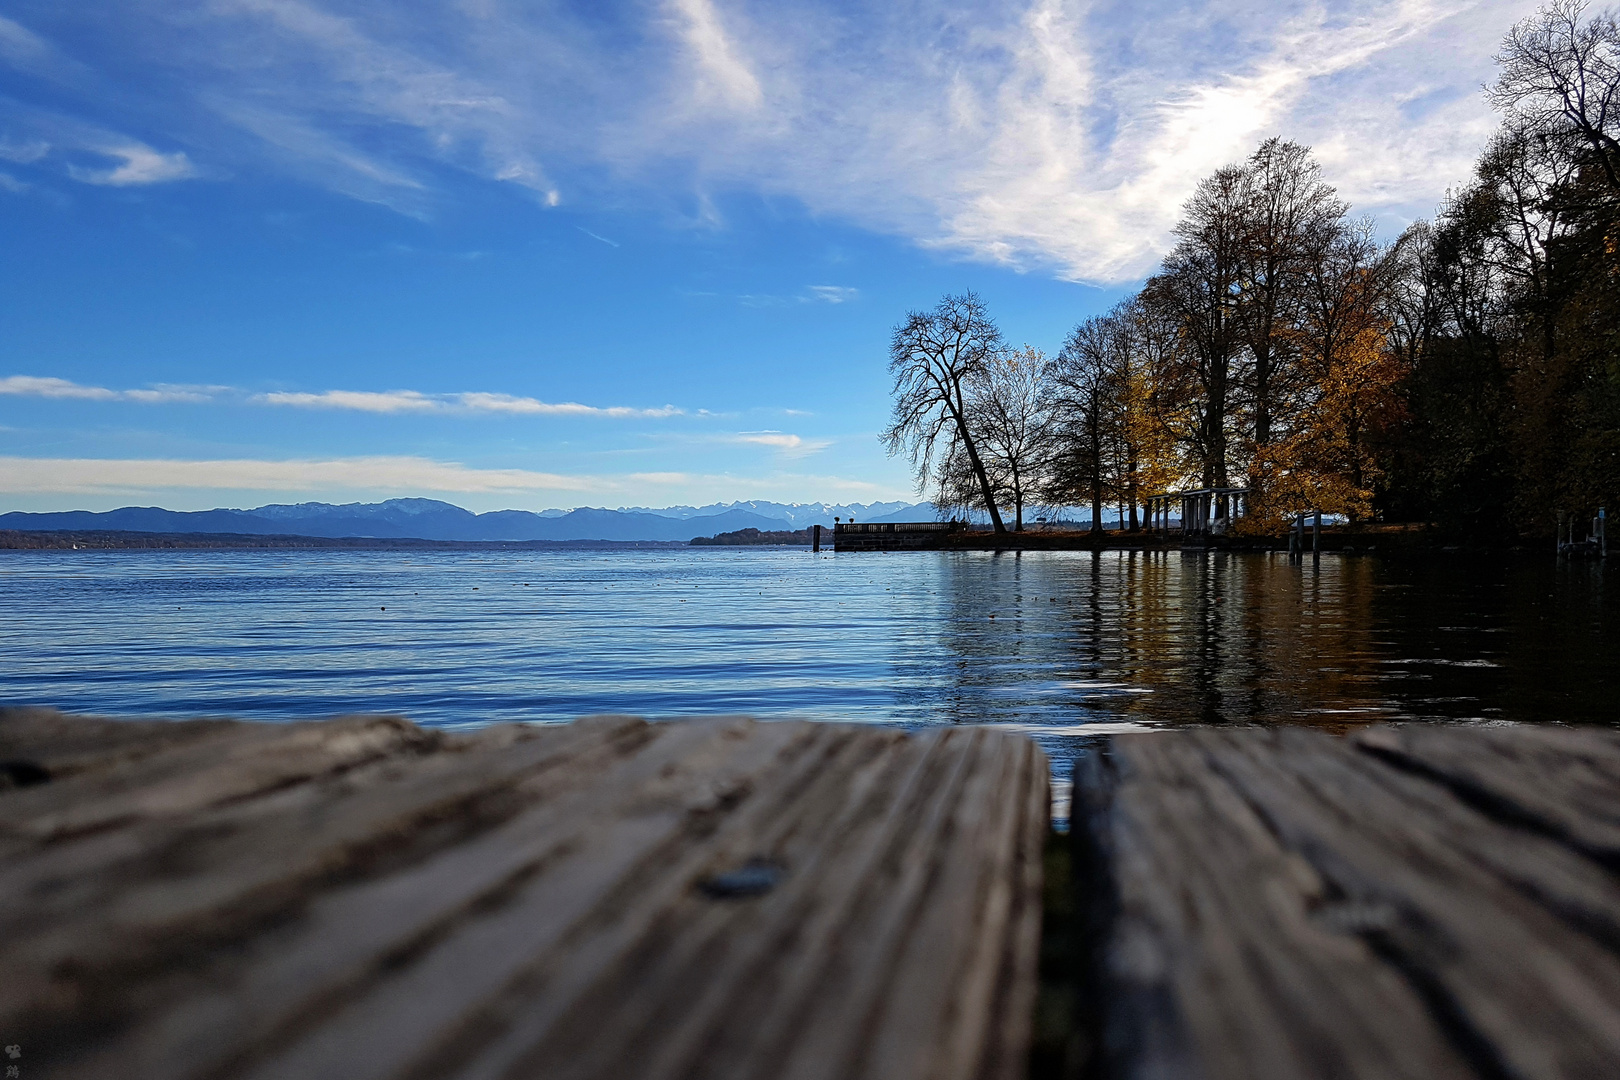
{"x":1316,"y":539}
{"x":815,"y":538}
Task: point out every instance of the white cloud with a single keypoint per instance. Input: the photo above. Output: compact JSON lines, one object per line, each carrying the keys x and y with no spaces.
{"x":388,"y":401}
{"x":200,"y":483}
{"x":400,"y":401}
{"x":140,"y":164}
{"x":93,"y":476}
{"x":702,"y":488}
{"x":833,"y":294}
{"x":1059,"y":134}
{"x":793,"y":446}
{"x":35,"y":136}
{"x":34,"y":386}
{"x":392,"y":401}
{"x":369,"y":76}
{"x":37,"y":386}
{"x":20,"y":46}
{"x":24,"y":153}
{"x":722,"y":75}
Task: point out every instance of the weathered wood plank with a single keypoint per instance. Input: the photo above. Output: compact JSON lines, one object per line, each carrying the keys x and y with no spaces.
{"x":64,"y":745}
{"x":1289,"y":904}
{"x":532,"y":901}
{"x":1214,"y":965}
{"x":224,"y":764}
{"x":1561,"y":780}
{"x":127,"y":898}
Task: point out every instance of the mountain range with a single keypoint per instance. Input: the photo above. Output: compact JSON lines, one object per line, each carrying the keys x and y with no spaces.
{"x":429,"y":519}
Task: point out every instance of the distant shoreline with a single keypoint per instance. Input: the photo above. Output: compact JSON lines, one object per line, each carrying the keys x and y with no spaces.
{"x":120,"y":540}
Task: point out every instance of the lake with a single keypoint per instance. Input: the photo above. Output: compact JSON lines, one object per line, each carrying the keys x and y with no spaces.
{"x":1063,"y":645}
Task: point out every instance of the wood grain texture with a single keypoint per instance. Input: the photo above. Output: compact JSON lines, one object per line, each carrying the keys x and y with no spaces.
{"x":361,"y":898}
{"x":1411,"y":902}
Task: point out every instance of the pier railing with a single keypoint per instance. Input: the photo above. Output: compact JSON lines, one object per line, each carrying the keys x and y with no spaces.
{"x":1204,"y":512}
{"x":893,"y":535}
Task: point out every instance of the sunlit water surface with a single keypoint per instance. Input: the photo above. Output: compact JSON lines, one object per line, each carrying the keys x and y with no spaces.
{"x":1060,"y":644}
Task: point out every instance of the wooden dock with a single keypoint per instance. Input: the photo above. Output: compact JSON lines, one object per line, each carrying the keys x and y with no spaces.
{"x":1423,"y":901}
{"x":361,"y":899}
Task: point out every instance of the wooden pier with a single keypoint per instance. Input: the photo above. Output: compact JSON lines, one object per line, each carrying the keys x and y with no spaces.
{"x":1424,"y":901}
{"x":894,"y":536}
{"x":360,"y":899}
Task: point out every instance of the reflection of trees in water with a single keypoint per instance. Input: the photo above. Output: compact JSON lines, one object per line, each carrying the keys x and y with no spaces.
{"x":1156,"y":638}
{"x":993,"y":634}
{"x":1523,"y":639}
{"x":1256,"y":639}
{"x":1162,"y":638}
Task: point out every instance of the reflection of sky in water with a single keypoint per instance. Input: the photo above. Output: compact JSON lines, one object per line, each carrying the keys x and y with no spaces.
{"x":1057,"y":644}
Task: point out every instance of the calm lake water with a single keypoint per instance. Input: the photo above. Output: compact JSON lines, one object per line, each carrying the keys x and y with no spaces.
{"x":1059,"y":644}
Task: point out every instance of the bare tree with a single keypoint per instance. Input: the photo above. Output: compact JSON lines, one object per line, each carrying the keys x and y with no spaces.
{"x":936,"y":357}
{"x":1560,"y":80}
{"x":1008,"y":407}
{"x":956,"y":487}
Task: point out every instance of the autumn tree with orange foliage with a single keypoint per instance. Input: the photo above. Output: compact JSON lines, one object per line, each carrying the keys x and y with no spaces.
{"x":1466,"y":375}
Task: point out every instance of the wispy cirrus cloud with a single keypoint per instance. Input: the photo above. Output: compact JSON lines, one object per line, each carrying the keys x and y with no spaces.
{"x":201,"y":482}
{"x":86,"y":150}
{"x":386,"y":401}
{"x":812,"y":294}
{"x":696,"y":487}
{"x":48,"y":387}
{"x":833,"y":294}
{"x":788,"y":445}
{"x":1056,"y":134}
{"x":408,"y":401}
{"x":137,"y":164}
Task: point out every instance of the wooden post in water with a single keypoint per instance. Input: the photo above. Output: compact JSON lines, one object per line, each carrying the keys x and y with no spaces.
{"x":1316,"y":539}
{"x":815,"y":538}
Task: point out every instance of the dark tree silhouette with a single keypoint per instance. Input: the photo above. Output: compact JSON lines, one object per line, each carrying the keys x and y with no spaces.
{"x":936,"y":357}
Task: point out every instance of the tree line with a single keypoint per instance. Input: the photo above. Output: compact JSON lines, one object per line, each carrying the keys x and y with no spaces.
{"x":1467,"y":373}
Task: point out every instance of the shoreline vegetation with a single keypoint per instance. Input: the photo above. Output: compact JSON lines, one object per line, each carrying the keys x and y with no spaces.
{"x":1359,"y":538}
{"x":756,"y":538}
{"x":1464,"y":375}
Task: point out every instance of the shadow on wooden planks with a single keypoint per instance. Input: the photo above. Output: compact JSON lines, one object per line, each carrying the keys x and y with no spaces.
{"x":361,"y":898}
{"x":1419,"y":901}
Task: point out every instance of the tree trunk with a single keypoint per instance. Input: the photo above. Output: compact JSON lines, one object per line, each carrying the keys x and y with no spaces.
{"x":1132,"y":494}
{"x":1096,"y":472}
{"x":1215,"y":432}
{"x":959,"y":414}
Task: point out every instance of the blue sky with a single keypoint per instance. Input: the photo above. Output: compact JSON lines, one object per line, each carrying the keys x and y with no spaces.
{"x":609,"y":254}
